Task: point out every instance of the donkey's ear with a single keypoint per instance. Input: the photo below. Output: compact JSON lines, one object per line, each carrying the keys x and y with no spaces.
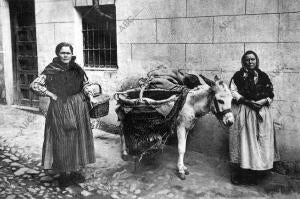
{"x":207,"y":81}
{"x":217,"y":78}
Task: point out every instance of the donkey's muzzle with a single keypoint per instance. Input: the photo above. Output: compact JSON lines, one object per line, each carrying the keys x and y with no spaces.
{"x":228,"y":119}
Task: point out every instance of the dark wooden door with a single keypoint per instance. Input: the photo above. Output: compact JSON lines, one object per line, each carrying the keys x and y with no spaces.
{"x":25,"y":51}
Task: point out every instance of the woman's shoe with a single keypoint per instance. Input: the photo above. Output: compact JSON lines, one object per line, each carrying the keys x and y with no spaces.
{"x":77,"y":177}
{"x":64,"y":181}
{"x":252,"y":180}
{"x":235,"y":179}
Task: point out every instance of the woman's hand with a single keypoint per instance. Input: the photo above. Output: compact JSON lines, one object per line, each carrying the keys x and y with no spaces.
{"x":252,"y":104}
{"x":256,"y":106}
{"x":262,"y":102}
{"x":92,"y":100}
{"x":51,"y":95}
{"x":54,"y":97}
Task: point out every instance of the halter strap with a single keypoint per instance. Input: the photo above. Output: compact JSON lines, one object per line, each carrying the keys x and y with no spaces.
{"x":219,"y":114}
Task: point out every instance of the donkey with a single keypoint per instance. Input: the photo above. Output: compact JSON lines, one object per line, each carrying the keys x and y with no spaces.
{"x":213,"y":96}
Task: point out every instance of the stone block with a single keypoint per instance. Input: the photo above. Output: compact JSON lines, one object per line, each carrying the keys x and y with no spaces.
{"x":124,"y":53}
{"x":225,"y":57}
{"x":289,"y":5}
{"x":64,"y":32}
{"x":45,"y":33}
{"x":149,"y":9}
{"x":288,"y":142}
{"x":137,"y":31}
{"x":277,"y":57}
{"x":185,"y":30}
{"x":106,"y":2}
{"x":246,"y":28}
{"x":83,"y":2}
{"x":286,"y":86}
{"x":210,"y":74}
{"x":54,"y":11}
{"x":109,"y":80}
{"x":152,"y":55}
{"x":215,"y":7}
{"x":289,"y":27}
{"x":226,"y":76}
{"x":209,"y":137}
{"x":284,"y":123}
{"x":286,"y":107}
{"x":45,"y":53}
{"x":261,"y":6}
{"x":283,"y":119}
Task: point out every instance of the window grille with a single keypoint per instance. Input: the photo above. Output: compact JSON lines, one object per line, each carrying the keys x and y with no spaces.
{"x":99,"y":42}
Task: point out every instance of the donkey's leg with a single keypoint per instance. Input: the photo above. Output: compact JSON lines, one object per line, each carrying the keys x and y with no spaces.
{"x":124,"y":154}
{"x":181,"y":135}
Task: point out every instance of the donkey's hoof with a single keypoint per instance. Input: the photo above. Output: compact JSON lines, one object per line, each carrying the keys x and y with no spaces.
{"x":181,"y":176}
{"x":186,"y":172}
{"x":125,"y":157}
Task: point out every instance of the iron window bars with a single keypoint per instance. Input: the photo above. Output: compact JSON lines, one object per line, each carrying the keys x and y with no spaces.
{"x":99,"y":43}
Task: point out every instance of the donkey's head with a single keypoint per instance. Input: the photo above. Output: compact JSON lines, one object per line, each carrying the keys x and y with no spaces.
{"x":221,"y":102}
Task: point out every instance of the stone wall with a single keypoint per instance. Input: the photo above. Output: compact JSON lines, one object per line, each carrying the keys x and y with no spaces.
{"x":208,"y":36}
{"x":56,"y":21}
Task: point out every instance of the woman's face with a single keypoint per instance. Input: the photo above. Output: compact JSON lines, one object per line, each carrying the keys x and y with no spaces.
{"x":65,"y":54}
{"x":250,"y":61}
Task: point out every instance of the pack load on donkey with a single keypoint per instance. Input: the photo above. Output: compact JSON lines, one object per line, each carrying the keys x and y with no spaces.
{"x":148,"y":113}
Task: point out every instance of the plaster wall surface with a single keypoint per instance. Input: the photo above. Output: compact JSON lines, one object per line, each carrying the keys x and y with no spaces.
{"x":6,"y":70}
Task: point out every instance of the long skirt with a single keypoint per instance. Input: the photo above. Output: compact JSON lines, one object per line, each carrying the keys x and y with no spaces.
{"x":252,"y":143}
{"x":68,"y":140}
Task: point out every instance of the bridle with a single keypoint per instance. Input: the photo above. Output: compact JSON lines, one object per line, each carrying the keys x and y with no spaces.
{"x":219,"y":114}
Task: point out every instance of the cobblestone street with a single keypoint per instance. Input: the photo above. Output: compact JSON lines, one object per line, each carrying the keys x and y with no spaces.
{"x":21,"y":176}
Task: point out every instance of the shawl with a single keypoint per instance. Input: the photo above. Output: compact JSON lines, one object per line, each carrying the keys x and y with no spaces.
{"x":64,"y":79}
{"x":244,"y":80}
{"x":57,"y":66}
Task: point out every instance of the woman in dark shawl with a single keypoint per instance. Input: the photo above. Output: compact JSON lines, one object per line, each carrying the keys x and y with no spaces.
{"x":68,"y":140}
{"x":252,"y":140}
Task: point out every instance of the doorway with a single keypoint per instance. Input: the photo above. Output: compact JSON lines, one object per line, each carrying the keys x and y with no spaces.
{"x":24,"y":48}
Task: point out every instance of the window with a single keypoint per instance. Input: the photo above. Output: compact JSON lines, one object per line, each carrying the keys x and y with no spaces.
{"x":99,"y":37}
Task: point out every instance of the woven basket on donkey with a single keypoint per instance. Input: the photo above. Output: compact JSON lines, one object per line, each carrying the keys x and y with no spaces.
{"x":144,"y":128}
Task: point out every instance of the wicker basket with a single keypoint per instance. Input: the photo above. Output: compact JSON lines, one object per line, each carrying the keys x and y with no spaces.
{"x":144,"y":128}
{"x":101,"y":108}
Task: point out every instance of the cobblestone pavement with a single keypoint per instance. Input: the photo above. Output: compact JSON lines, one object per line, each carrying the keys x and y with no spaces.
{"x":21,"y":137}
{"x":22,"y":178}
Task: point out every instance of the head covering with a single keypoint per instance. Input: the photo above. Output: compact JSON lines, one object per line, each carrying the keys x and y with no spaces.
{"x":248,"y":53}
{"x":247,"y":87}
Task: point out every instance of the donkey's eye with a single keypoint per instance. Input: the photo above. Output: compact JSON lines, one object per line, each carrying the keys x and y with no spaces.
{"x":220,"y":101}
